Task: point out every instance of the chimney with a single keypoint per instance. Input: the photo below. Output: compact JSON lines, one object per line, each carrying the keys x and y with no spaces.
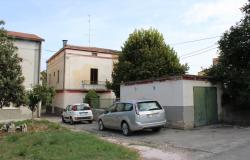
{"x":64,"y":42}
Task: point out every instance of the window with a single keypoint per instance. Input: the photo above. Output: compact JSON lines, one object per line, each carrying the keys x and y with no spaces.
{"x":49,"y":78}
{"x":82,"y":107}
{"x":58,"y":72}
{"x":68,"y":108}
{"x":94,"y":53}
{"x":128,"y":107}
{"x":112,"y":108}
{"x":149,"y":106}
{"x":54,"y":74}
{"x":119,"y":107}
{"x":93,"y":76}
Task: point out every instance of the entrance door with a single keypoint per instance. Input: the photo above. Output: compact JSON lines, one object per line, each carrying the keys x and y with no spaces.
{"x":205,"y":105}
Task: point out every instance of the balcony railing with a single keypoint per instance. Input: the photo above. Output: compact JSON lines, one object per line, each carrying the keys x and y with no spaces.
{"x":94,"y":85}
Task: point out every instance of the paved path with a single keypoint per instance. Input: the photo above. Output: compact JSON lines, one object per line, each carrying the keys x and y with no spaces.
{"x":217,"y":142}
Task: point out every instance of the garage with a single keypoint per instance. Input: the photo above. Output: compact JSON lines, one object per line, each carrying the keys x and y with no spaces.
{"x":189,"y":101}
{"x":205,"y":106}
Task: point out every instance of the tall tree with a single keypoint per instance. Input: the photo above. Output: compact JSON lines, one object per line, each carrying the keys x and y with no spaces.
{"x":43,"y":77}
{"x":11,"y":79}
{"x":233,"y":69}
{"x":145,"y":55}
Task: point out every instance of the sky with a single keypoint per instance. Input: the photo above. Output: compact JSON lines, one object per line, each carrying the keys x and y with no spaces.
{"x":111,"y":22}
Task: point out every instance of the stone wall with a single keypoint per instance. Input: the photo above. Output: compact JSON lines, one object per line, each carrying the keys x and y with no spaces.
{"x":15,"y":114}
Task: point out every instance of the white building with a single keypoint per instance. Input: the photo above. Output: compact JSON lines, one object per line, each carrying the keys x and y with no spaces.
{"x":29,"y":49}
{"x":189,"y":101}
{"x":74,"y":70}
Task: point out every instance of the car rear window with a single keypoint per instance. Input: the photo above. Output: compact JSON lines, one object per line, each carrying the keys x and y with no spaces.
{"x":148,"y":106}
{"x":82,"y":107}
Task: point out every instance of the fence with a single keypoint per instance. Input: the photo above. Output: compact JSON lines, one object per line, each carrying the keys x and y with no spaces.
{"x":100,"y":102}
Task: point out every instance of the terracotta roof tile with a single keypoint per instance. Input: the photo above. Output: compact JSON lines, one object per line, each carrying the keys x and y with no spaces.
{"x":25,"y":36}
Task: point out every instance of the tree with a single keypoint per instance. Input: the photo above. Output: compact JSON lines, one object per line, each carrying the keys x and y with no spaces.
{"x":92,"y":99}
{"x":11,"y":79}
{"x":145,"y":55}
{"x":39,"y":93}
{"x":233,"y":69}
{"x":43,"y":77}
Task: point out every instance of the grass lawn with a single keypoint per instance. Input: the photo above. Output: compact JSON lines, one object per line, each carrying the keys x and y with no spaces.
{"x":49,"y":141}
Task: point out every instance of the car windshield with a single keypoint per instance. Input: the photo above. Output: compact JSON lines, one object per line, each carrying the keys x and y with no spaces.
{"x":148,"y":106}
{"x":82,"y":107}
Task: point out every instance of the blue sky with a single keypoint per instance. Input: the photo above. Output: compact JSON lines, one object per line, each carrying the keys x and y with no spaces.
{"x":112,"y":21}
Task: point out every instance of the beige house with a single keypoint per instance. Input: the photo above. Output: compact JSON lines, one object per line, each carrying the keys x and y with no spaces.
{"x":74,"y":70}
{"x":29,"y":49}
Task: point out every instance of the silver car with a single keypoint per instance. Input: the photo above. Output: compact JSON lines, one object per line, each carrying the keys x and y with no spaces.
{"x":132,"y":116}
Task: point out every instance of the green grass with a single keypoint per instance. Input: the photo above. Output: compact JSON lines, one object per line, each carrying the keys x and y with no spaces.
{"x":58,"y":143}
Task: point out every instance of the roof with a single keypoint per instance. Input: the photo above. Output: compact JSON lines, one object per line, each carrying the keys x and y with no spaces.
{"x":91,"y":49}
{"x":83,"y":48}
{"x":181,"y":77}
{"x":25,"y":36}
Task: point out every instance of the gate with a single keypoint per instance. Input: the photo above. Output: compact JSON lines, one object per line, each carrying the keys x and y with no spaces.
{"x":205,"y":105}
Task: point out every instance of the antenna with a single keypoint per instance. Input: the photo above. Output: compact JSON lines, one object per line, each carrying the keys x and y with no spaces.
{"x":89,"y":28}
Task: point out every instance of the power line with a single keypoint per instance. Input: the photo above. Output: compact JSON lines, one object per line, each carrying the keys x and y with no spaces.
{"x":196,"y":40}
{"x":199,"y":53}
{"x":197,"y":50}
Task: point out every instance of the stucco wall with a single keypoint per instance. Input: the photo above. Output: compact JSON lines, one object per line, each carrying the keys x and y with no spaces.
{"x":176,"y":96}
{"x":55,"y":65}
{"x":62,"y":99}
{"x":29,"y":52}
{"x":78,"y":65}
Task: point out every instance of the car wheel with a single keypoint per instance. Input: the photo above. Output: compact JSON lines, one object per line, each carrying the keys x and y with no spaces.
{"x":90,"y":121}
{"x":63,"y":120}
{"x":71,"y":121}
{"x":157,"y":129}
{"x":125,"y":129}
{"x":100,"y":125}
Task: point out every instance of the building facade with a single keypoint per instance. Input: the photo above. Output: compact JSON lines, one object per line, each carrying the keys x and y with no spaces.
{"x":29,"y":49}
{"x":189,"y":101}
{"x":74,"y":70}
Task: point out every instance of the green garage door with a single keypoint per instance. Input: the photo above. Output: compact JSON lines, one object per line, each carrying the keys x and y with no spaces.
{"x":205,"y":105}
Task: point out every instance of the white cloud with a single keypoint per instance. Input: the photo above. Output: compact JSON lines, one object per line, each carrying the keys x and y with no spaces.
{"x":226,"y":11}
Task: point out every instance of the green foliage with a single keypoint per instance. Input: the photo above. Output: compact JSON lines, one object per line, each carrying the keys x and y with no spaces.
{"x":43,"y":77}
{"x":39,"y":93}
{"x":11,"y":79}
{"x":145,"y":55}
{"x":233,"y":69}
{"x":92,"y":99}
{"x":49,"y":143}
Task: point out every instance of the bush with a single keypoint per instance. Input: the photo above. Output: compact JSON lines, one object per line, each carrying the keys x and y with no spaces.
{"x":92,"y":99}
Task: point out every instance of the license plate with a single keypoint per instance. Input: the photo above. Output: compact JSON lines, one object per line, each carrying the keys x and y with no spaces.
{"x":83,"y":112}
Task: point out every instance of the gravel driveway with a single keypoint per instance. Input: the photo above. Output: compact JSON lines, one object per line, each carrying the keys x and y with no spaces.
{"x":222,"y":142}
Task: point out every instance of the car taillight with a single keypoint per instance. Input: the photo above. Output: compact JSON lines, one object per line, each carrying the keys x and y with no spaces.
{"x":74,"y":108}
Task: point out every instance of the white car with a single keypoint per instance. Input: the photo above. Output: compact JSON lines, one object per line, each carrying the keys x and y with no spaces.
{"x":77,"y":113}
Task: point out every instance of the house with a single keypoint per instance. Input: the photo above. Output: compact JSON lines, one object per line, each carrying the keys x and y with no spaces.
{"x":74,"y":70}
{"x":29,"y":49}
{"x":189,"y":101}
